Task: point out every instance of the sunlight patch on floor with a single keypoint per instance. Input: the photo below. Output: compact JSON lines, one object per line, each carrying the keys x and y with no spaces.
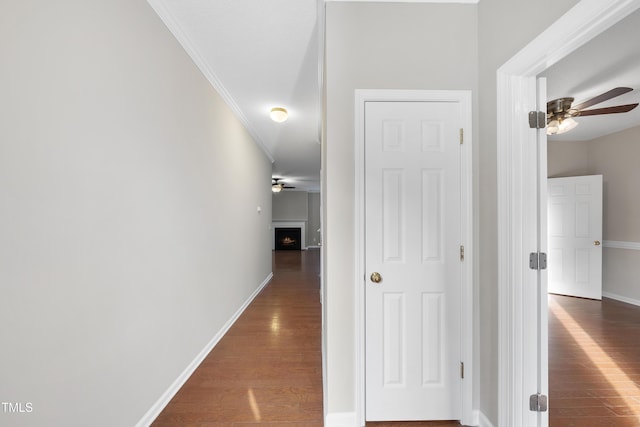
{"x":254,"y":406}
{"x":612,"y":373}
{"x":275,"y":324}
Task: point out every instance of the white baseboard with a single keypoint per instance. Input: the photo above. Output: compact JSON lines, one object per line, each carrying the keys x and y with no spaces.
{"x":166,"y":397}
{"x":341,"y":419}
{"x":484,"y":421}
{"x":621,"y":298}
{"x":474,"y":420}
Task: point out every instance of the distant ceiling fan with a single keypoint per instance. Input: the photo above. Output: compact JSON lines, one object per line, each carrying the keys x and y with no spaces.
{"x":560,"y":113}
{"x":277,"y":186}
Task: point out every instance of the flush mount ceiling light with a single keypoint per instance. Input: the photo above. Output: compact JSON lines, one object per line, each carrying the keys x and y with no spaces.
{"x":279,"y":114}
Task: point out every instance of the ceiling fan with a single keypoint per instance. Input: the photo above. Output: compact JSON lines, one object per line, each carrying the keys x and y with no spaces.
{"x":560,"y":112}
{"x":277,"y":186}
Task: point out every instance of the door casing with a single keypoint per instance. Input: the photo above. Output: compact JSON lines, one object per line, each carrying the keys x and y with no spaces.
{"x":517,"y":203}
{"x":469,"y":415}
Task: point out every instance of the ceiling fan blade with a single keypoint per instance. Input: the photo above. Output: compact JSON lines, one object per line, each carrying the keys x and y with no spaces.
{"x":608,"y":110}
{"x":603,"y":97}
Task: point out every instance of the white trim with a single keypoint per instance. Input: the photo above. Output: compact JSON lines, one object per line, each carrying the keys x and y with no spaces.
{"x":615,"y":244}
{"x":161,"y":9}
{"x":621,"y":298}
{"x":410,"y":1}
{"x":516,"y":201}
{"x":166,"y":397}
{"x":340,"y":419}
{"x":517,"y":236}
{"x":484,"y":421}
{"x":467,"y":309}
{"x":290,"y":224}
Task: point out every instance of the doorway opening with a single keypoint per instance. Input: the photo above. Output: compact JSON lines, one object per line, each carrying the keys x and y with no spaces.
{"x":523,"y":357}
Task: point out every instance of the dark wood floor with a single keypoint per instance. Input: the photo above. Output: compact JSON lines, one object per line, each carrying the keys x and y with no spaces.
{"x":267,"y":369}
{"x":594,"y":363}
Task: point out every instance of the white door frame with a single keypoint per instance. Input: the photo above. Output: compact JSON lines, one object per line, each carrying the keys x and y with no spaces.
{"x":469,"y":416}
{"x":517,"y":221}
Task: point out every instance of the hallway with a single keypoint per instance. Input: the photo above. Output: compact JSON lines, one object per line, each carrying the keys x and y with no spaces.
{"x":267,"y":370}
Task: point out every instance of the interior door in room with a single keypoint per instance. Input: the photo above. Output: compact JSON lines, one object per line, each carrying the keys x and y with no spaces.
{"x":575,"y":236}
{"x":412,"y":260}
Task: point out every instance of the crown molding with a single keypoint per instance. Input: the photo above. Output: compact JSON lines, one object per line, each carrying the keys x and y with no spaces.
{"x":174,"y":27}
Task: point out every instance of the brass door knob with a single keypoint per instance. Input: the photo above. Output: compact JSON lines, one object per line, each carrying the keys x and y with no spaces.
{"x":376,"y":277}
{"x":596,"y":242}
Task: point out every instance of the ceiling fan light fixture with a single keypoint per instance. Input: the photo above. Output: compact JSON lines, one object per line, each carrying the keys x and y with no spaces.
{"x":566,"y":125}
{"x":279,"y":114}
{"x":560,"y":126}
{"x":276,"y":188}
{"x":560,"y":111}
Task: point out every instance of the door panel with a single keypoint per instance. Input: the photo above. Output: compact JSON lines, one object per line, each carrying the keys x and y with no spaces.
{"x":575,"y":233}
{"x":412,"y":234}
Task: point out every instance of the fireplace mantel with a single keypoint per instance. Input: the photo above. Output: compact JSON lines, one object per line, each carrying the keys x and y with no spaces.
{"x":302,"y":225}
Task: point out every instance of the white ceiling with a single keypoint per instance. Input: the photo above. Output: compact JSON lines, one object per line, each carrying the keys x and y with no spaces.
{"x":610,"y":60}
{"x":261,"y":54}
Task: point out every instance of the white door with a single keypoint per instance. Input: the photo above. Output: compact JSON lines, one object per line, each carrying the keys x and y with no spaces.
{"x":412,"y":232}
{"x":575,"y":236}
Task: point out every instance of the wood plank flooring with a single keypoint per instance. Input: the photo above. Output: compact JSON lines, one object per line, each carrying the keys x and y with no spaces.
{"x":267,"y":369}
{"x":594,"y":363}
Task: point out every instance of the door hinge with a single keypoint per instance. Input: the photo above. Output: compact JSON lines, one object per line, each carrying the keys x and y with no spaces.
{"x":537,"y":119}
{"x":462,"y":370}
{"x":461,"y":136}
{"x":538,"y":261}
{"x":538,"y":403}
{"x":461,"y":253}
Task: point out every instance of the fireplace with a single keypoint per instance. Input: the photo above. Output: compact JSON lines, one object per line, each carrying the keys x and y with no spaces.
{"x":288,"y":239}
{"x":289,"y":224}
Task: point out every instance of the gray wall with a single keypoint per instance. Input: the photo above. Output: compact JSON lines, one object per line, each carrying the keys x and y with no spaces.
{"x":119,"y":253}
{"x":314,"y":237}
{"x":375,"y":46}
{"x":290,"y":206}
{"x":615,"y":157}
{"x":567,"y":158}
